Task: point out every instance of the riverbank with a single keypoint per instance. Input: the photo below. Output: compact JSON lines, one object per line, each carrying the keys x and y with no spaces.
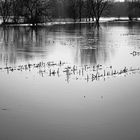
{"x":70,"y":21}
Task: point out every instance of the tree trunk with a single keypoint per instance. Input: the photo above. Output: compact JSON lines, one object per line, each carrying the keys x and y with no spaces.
{"x":97,"y":23}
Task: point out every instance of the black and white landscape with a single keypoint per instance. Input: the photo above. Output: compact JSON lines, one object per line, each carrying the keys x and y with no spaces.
{"x":69,"y":70}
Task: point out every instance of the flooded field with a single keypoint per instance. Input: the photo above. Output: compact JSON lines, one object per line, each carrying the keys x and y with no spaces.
{"x":70,"y":82}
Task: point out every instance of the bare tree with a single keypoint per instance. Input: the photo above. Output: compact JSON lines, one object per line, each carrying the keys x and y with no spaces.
{"x":17,"y":6}
{"x":99,"y":6}
{"x":133,"y":9}
{"x":34,"y":10}
{"x":89,"y":10}
{"x":5,"y":10}
{"x":63,"y":8}
{"x":72,"y":10}
{"x":80,"y":4}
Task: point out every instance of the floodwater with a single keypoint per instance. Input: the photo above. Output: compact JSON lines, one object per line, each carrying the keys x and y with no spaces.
{"x":70,"y":82}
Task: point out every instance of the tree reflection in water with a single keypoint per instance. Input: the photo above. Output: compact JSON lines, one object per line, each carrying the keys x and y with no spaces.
{"x":23,"y":44}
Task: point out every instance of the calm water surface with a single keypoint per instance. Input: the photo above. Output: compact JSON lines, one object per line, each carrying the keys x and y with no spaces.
{"x":41,"y":99}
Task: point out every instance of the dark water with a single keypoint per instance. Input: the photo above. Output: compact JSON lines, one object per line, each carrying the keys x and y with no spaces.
{"x":48,"y":89}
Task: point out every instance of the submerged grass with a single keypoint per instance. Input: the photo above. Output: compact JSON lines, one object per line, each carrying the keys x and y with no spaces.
{"x":63,"y":69}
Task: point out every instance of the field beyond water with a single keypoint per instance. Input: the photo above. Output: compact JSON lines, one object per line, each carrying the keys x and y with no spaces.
{"x":69,"y":82}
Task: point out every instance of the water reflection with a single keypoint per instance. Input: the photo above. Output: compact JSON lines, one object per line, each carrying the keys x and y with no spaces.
{"x":74,"y":43}
{"x":37,"y":103}
{"x":78,"y":44}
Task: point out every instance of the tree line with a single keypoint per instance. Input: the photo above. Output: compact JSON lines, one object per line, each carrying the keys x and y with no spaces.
{"x":41,"y":11}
